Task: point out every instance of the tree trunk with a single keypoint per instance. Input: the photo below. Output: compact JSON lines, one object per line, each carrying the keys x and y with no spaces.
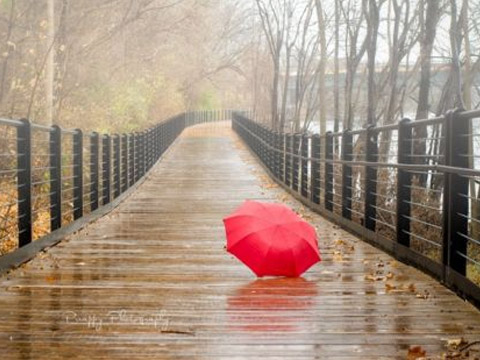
{"x":372,"y":24}
{"x":428,"y":23}
{"x":322,"y":67}
{"x":50,"y":65}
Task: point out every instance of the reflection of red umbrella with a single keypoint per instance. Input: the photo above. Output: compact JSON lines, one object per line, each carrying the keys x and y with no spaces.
{"x":271,"y":239}
{"x":270,"y":305}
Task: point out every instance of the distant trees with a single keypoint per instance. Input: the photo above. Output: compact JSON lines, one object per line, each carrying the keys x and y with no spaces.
{"x":376,"y":60}
{"x":118,"y":63}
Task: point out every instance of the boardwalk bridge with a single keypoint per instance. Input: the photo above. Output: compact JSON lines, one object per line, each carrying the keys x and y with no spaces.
{"x":139,"y":268}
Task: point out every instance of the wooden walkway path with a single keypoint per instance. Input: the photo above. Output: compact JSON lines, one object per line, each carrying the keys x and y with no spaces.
{"x":152,"y":280}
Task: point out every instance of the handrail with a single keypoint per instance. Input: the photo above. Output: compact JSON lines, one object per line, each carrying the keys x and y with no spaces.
{"x":79,"y":172}
{"x":384,"y":201}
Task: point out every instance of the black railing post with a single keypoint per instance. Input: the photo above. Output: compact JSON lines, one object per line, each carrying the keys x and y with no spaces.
{"x":304,"y":162}
{"x":55,"y":178}
{"x":145,"y":152}
{"x":315,"y":170}
{"x":116,"y":166}
{"x":162,"y":138}
{"x":371,"y":155}
{"x":94,"y":171}
{"x":281,"y":156}
{"x":261,"y":148}
{"x":152,"y":147}
{"x":329,"y":176}
{"x":264,"y":144}
{"x":146,"y":146}
{"x":296,"y":161}
{"x":24,"y":176}
{"x":275,"y":153}
{"x":347,"y":155}
{"x":278,"y":155}
{"x":404,"y":183}
{"x":157,"y":142}
{"x":270,"y":152}
{"x":149,"y":148}
{"x":77,"y":174}
{"x":257,"y":142}
{"x":288,"y":159}
{"x":456,"y":192}
{"x":131,"y":161}
{"x":138,"y":154}
{"x":106,"y":169}
{"x":124,"y":163}
{"x":142,"y":154}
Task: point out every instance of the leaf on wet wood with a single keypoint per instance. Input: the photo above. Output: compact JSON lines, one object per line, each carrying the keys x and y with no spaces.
{"x":456,"y":343}
{"x":337,"y":256}
{"x":51,"y":279}
{"x":424,"y":296}
{"x":371,"y":277}
{"x":411,"y":288}
{"x":390,"y":287}
{"x":326,"y":272}
{"x":416,"y":353}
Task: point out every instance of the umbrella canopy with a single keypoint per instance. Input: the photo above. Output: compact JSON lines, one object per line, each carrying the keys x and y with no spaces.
{"x":271,"y":239}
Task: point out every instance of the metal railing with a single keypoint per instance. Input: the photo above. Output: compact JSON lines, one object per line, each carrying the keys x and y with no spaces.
{"x":411,"y":188}
{"x":51,"y":177}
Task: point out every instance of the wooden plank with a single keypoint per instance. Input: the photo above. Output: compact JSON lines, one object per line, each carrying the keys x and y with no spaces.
{"x":152,"y":280}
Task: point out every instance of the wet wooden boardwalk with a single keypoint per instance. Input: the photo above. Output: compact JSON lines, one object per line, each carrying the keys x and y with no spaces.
{"x":152,"y":280}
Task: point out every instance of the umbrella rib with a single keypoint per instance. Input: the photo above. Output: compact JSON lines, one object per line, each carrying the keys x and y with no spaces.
{"x":269,"y":248}
{"x":302,"y":237}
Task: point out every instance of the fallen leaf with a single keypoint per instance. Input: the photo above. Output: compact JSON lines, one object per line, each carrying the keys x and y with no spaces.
{"x":424,"y":296}
{"x":51,"y":279}
{"x":326,"y":272}
{"x":371,"y":277}
{"x":337,"y":256}
{"x":456,"y":343}
{"x":339,"y":242}
{"x":390,"y":287}
{"x":410,"y":287}
{"x":416,"y":352}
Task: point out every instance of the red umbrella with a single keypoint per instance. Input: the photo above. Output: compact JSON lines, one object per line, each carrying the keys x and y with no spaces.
{"x":271,"y":239}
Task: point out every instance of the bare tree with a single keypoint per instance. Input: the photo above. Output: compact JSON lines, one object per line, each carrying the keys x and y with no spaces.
{"x":322,"y":68}
{"x":274,"y":17}
{"x":355,"y":49}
